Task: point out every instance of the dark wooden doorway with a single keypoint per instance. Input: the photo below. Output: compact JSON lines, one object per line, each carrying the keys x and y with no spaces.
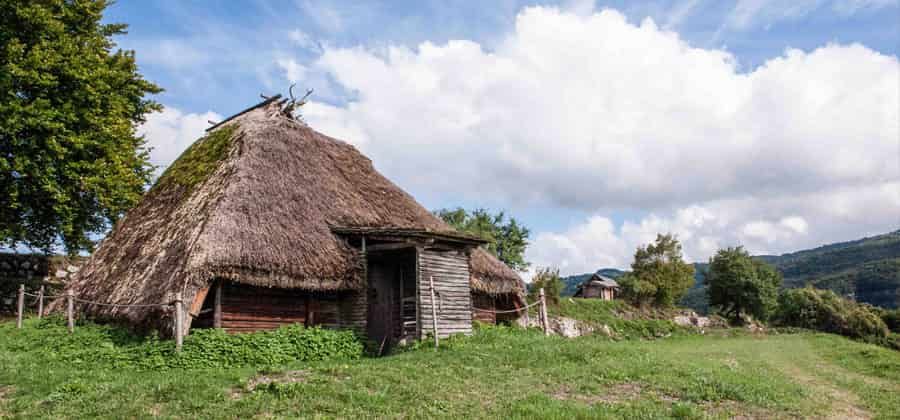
{"x":391,"y":287}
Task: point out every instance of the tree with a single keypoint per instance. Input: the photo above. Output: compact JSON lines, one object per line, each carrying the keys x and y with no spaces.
{"x":70,"y":160}
{"x":658,"y":275}
{"x":507,"y":239}
{"x":549,"y":280}
{"x":740,"y":285}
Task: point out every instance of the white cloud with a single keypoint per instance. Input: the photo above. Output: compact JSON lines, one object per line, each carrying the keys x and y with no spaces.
{"x":631,"y":111}
{"x":757,"y":223}
{"x":293,"y":71}
{"x":171,"y":131}
{"x":303,"y":40}
{"x":597,"y":114}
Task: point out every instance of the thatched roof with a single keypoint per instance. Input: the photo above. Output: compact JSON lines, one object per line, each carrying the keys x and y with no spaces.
{"x":597,"y":280}
{"x":255,"y":201}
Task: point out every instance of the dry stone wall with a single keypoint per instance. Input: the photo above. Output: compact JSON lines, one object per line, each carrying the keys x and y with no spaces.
{"x":33,"y":270}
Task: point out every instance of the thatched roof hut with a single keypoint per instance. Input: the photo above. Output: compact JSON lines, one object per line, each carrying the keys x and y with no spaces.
{"x":598,"y":286}
{"x":263,"y":203}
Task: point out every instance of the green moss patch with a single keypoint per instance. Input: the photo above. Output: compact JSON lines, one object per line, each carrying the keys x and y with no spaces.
{"x":199,"y":161}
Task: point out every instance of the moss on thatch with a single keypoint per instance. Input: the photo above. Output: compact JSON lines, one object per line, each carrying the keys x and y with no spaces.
{"x":199,"y":161}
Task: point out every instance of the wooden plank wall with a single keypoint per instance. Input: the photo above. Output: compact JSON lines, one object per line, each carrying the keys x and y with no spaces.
{"x":354,"y":311}
{"x":249,"y":308}
{"x":354,"y":306}
{"x":450,"y":270}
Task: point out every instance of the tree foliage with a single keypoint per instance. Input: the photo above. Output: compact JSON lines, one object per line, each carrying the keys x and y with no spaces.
{"x":507,"y":238}
{"x":70,"y":160}
{"x":824,"y":310}
{"x":740,"y":285}
{"x":659,"y":275}
{"x":549,"y":280}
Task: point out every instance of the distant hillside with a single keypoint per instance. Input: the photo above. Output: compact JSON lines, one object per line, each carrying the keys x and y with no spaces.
{"x":867,"y":270}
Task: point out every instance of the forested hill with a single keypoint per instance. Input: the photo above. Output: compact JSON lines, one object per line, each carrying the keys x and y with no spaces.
{"x":866,"y":269}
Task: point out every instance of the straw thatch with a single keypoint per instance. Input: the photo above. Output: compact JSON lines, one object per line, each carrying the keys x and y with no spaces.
{"x":255,"y":202}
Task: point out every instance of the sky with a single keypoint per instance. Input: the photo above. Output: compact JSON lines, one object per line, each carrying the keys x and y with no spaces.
{"x":769,"y":124}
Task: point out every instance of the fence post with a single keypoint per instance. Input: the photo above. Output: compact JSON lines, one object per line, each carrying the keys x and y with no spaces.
{"x":527,"y":317}
{"x":41,"y":302}
{"x":20,"y":305}
{"x":70,"y":310}
{"x":179,"y":321}
{"x":434,"y":322}
{"x":545,"y":323}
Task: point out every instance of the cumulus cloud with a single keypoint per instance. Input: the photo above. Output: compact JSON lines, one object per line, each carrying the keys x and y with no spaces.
{"x":594,"y":113}
{"x":170,"y":132}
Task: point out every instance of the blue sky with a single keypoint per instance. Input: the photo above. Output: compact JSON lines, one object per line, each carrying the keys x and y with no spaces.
{"x":644,"y":155}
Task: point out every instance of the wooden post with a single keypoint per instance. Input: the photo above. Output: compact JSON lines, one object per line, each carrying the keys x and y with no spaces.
{"x":70,"y":310}
{"x":434,"y":322}
{"x":41,"y":302}
{"x":545,"y":322}
{"x":527,"y":317}
{"x":20,"y":306}
{"x":179,"y":322}
{"x":217,"y":306}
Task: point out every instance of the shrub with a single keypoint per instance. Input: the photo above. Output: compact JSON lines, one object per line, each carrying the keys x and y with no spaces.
{"x":891,"y":318}
{"x":823,"y":310}
{"x":203,"y":348}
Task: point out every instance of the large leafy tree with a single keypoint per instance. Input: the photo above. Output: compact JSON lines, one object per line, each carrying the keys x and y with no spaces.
{"x":70,"y":160}
{"x":740,"y":285}
{"x":507,"y":238}
{"x":659,"y":275}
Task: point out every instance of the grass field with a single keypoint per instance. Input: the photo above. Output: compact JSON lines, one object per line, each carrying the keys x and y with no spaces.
{"x":498,"y":372}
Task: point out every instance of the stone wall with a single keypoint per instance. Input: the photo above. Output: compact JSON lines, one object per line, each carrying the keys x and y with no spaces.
{"x":33,"y":270}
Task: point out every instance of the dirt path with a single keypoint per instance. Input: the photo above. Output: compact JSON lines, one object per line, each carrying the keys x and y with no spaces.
{"x":843,"y":404}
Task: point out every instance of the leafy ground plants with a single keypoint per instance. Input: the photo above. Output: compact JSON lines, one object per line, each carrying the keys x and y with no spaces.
{"x":48,"y":341}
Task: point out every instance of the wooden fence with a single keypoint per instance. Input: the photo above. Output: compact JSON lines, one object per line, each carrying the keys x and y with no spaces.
{"x":177,"y":304}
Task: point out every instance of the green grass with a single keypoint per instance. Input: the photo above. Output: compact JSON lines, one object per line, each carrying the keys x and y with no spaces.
{"x":498,"y":372}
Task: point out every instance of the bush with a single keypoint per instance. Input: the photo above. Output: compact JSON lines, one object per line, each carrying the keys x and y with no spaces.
{"x":823,"y":310}
{"x":203,"y":348}
{"x":891,"y":318}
